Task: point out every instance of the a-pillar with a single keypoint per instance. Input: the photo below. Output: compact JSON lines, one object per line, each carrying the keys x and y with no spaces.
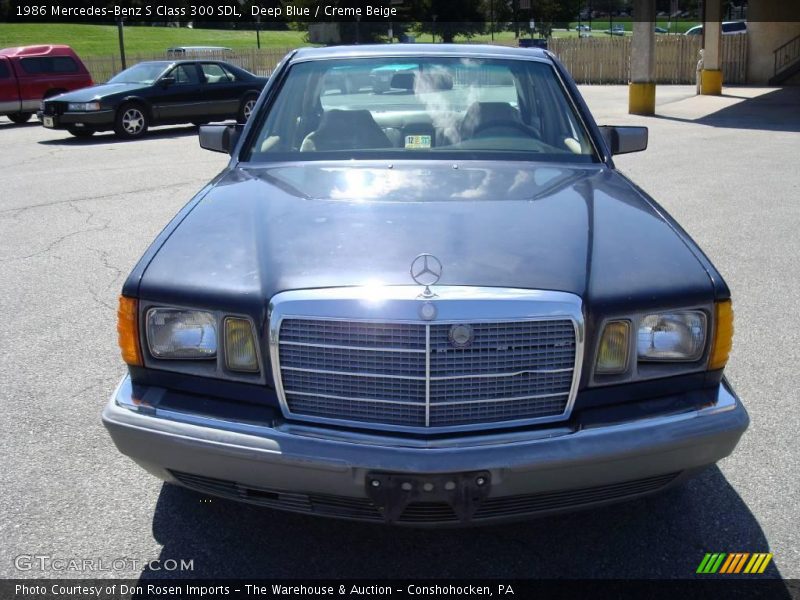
{"x":711,"y":75}
{"x":642,"y":88}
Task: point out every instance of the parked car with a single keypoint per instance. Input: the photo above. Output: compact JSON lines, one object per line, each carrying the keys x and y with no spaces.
{"x":728,"y":28}
{"x":181,"y":52}
{"x":356,"y":78}
{"x":440,"y":307}
{"x":616,"y":30}
{"x":381,"y":77}
{"x":348,"y":80}
{"x":661,"y":30}
{"x":533,"y":43}
{"x":30,"y":73}
{"x":734,"y":27}
{"x":156,"y":93}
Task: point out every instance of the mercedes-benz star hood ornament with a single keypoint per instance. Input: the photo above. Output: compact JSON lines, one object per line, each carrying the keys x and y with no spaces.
{"x":426,"y":270}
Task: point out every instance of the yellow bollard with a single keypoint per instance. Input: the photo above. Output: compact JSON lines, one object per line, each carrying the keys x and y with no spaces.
{"x":711,"y":82}
{"x":642,"y":98}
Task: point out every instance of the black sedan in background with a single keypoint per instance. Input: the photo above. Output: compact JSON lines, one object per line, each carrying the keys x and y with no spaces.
{"x":156,"y":93}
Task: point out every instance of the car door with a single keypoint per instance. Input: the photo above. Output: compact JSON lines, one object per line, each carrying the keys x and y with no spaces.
{"x":222,"y":93}
{"x":9,"y":94}
{"x":180,"y":100}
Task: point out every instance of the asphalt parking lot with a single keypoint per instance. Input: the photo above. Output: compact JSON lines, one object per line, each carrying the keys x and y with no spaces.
{"x":75,"y":215}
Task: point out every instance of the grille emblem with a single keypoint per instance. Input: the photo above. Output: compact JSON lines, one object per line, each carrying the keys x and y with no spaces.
{"x":427,"y":311}
{"x":426,"y":270}
{"x":461,"y":335}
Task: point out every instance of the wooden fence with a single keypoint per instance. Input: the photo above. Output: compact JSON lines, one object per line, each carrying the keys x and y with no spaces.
{"x":607,"y":60}
{"x":260,"y":62}
{"x":590,"y":60}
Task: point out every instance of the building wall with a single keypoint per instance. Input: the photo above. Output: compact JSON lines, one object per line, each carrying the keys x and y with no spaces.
{"x":768,"y":26}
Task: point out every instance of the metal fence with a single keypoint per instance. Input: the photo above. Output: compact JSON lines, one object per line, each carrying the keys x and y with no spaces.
{"x":600,"y":60}
{"x":261,"y":62}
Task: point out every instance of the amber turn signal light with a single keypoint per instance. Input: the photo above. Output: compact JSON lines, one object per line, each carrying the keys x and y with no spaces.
{"x":723,"y":335}
{"x":240,"y":347}
{"x":612,"y":354}
{"x":128,"y":331}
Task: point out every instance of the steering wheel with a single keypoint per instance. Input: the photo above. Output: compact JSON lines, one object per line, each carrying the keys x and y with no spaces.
{"x":511,"y":124}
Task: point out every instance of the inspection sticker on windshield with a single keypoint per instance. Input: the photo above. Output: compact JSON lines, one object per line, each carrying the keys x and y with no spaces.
{"x":416,"y":142}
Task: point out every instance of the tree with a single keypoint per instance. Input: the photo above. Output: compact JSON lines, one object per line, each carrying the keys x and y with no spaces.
{"x":350,"y":30}
{"x":499,"y":11}
{"x":452,"y":18}
{"x":547,"y":12}
{"x":608,"y":7}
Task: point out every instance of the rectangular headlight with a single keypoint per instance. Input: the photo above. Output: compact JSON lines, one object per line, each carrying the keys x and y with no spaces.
{"x":240,"y":347}
{"x":181,"y":334}
{"x":672,"y":336}
{"x":83,"y":106}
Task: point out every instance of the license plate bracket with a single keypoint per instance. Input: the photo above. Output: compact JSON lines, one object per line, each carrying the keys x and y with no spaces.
{"x":393,"y":492}
{"x":48,"y":122}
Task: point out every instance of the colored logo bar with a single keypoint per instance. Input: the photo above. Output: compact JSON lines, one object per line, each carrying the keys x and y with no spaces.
{"x":736,"y":562}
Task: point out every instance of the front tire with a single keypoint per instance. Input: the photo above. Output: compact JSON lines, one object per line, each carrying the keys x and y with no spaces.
{"x":81,"y":133}
{"x":131,"y":121}
{"x":19,"y":118}
{"x":246,"y":109}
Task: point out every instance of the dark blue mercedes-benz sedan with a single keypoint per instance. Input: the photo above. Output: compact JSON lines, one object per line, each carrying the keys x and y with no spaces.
{"x":436,"y":302}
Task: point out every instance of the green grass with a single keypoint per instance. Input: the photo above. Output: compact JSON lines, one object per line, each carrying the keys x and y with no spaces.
{"x":101,"y":40}
{"x":504,"y":37}
{"x":598,"y":28}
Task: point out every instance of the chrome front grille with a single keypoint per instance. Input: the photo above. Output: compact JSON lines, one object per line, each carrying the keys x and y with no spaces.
{"x":353,"y":334}
{"x":409,"y":375}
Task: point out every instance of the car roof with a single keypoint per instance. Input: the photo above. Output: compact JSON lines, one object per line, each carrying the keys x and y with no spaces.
{"x":163,"y":63}
{"x":35,"y":50}
{"x":198,"y":48}
{"x":183,"y":61}
{"x":723,"y":22}
{"x":416,"y":50}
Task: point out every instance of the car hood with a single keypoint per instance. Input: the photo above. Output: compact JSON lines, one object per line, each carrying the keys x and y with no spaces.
{"x":98,"y":92}
{"x":580,"y":229}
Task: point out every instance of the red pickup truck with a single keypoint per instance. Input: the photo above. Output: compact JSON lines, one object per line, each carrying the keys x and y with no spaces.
{"x":29,"y":74}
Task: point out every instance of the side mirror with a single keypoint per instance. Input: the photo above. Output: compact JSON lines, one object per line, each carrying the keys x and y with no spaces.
{"x":622,"y":140}
{"x":220,"y":138}
{"x":167,"y":81}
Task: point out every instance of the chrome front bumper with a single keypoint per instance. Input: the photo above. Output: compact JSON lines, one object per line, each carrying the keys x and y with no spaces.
{"x":301,"y":468}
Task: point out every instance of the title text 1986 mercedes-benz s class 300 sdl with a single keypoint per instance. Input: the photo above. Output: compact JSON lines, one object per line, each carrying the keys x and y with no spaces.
{"x":436,"y":304}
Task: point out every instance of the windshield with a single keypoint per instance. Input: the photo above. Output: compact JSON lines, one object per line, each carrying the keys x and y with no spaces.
{"x":421,"y":107}
{"x":141,"y":73}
